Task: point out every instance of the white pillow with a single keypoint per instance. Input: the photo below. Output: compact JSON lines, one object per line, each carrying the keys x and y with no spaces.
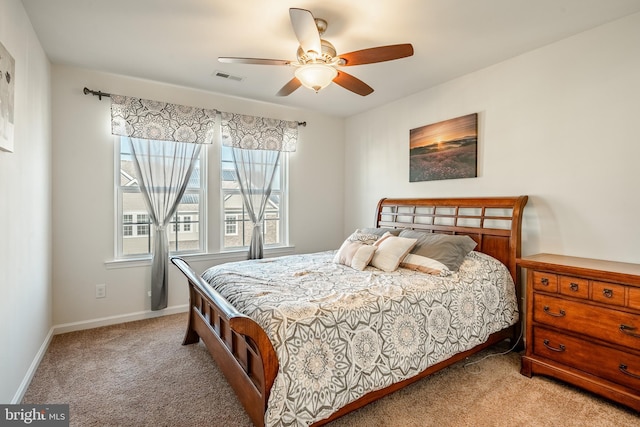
{"x":363,"y":256}
{"x":354,"y":254}
{"x":391,"y":251}
{"x":425,"y":265}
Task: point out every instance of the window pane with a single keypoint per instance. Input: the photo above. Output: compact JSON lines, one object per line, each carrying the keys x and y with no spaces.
{"x":136,"y":234}
{"x":185,"y":229}
{"x":142,"y":226}
{"x":228,"y":172}
{"x":235,"y":229}
{"x":194,"y":180}
{"x":231,"y":225}
{"x":136,"y":238}
{"x":229,"y":178}
{"x":237,"y":226}
{"x":127,"y":229}
{"x":271,"y":224}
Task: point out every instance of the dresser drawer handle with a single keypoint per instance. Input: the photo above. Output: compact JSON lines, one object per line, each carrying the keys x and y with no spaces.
{"x":562,"y":313}
{"x":544,"y":281}
{"x":626,"y":329}
{"x":560,"y":349}
{"x":574,"y":287}
{"x":623,"y":368}
{"x":607,"y":293}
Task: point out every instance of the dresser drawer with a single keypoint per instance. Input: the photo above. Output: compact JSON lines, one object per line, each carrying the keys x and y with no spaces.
{"x":574,"y":287}
{"x":606,"y":324}
{"x":634,"y":298}
{"x":543,"y":281}
{"x":611,"y":364}
{"x":607,"y":293}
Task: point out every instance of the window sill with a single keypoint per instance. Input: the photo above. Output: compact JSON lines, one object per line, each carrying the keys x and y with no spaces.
{"x":219,"y":257}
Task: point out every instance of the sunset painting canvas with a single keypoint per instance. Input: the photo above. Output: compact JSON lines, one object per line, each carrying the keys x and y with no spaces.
{"x":444,"y":150}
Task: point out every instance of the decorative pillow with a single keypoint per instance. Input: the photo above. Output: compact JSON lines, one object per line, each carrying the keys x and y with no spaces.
{"x":354,"y":254}
{"x":366,"y":238}
{"x":449,"y":249}
{"x":391,"y":251}
{"x":379,"y":231}
{"x":425,"y":265}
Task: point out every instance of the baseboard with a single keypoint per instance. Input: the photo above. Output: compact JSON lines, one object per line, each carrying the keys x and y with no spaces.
{"x":114,"y":320}
{"x":87,"y":324}
{"x":24,"y":385}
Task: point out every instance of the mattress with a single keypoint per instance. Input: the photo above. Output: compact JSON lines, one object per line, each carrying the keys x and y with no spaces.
{"x":341,"y":333}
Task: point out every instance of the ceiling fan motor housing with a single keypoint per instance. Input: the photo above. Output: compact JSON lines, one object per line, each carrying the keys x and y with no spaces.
{"x":327,"y":55}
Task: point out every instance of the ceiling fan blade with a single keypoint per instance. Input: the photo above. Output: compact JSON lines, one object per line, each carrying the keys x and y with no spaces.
{"x":257,"y":61}
{"x":304,"y":25}
{"x":353,"y":84}
{"x":378,"y":54}
{"x":287,"y":89}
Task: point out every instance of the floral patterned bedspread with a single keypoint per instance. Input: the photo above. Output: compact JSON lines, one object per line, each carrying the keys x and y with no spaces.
{"x":340,"y":333}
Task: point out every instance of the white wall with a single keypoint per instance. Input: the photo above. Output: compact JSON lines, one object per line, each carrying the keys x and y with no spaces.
{"x":558,"y":124}
{"x":25,"y":208}
{"x":83,"y":193}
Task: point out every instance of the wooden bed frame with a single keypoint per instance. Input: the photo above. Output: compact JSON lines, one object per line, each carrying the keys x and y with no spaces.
{"x":242,"y":349}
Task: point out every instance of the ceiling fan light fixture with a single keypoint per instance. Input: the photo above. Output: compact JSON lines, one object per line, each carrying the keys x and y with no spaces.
{"x":316,"y":76}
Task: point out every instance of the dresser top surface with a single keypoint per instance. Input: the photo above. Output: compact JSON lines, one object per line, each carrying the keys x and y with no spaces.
{"x":595,"y":268}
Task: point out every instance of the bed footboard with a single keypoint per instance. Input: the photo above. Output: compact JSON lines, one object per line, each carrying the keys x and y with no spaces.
{"x":238,"y":344}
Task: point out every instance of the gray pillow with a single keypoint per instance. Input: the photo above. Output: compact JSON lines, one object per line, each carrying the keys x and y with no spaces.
{"x":379,"y":231}
{"x":447,"y":248}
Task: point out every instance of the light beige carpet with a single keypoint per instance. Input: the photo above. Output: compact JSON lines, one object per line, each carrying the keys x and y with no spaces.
{"x":139,"y":374}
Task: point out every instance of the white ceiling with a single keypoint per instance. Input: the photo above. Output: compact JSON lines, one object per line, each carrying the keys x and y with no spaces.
{"x":179,"y":41}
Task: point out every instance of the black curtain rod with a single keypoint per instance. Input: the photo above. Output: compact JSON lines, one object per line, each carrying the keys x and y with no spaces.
{"x":100,"y":94}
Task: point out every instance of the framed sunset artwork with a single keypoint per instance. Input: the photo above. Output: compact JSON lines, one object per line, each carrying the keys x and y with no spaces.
{"x":444,"y":150}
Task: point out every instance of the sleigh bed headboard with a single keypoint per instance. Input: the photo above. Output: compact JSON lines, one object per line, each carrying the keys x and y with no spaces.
{"x":494,"y":223}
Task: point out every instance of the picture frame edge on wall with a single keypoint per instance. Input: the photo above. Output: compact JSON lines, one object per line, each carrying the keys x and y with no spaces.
{"x":444,"y":150}
{"x":7,"y":100}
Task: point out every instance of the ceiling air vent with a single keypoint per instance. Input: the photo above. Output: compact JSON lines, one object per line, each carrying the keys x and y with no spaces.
{"x":227,"y":76}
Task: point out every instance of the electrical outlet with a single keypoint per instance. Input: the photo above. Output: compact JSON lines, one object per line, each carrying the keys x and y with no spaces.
{"x":101,"y":290}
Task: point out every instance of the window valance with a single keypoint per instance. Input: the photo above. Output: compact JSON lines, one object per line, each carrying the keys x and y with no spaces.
{"x":143,"y":118}
{"x":258,"y":133}
{"x":148,"y":119}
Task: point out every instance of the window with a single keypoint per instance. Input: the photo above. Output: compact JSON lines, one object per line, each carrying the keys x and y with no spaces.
{"x":135,"y":234}
{"x":127,"y":229}
{"x":237,"y":227}
{"x":187,"y":229}
{"x":230,"y":225}
{"x":142,"y":226}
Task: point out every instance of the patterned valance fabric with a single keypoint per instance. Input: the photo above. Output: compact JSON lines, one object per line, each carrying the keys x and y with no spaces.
{"x":143,"y":118}
{"x":258,"y":133}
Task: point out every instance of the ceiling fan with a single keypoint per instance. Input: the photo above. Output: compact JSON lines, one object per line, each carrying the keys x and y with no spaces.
{"x":317,"y":64}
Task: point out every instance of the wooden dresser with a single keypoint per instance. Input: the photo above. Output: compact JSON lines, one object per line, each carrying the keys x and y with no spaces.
{"x":583,"y":324}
